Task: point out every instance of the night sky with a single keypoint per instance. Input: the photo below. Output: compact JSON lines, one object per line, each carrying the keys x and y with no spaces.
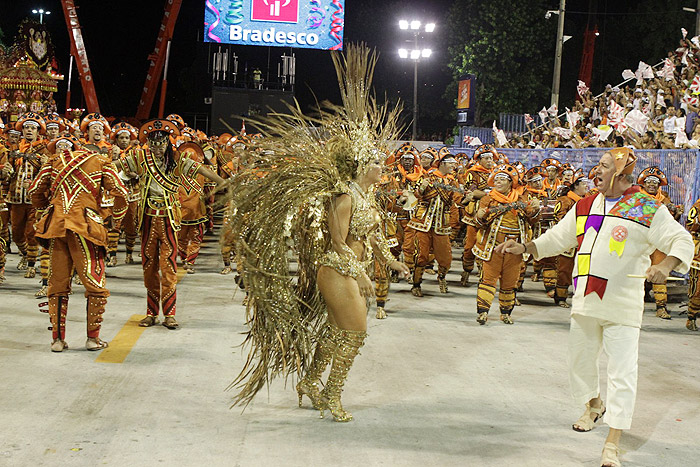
{"x":119,"y":35}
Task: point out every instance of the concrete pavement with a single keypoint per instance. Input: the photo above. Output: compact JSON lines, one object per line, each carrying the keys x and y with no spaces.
{"x":431,"y":387}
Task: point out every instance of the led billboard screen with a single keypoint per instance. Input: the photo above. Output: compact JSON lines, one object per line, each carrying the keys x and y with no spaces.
{"x":309,"y":24}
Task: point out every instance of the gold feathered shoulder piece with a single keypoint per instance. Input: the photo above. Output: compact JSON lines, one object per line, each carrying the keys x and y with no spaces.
{"x":280,"y":211}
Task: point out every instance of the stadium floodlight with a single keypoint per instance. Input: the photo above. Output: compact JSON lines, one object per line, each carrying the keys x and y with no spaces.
{"x":41,"y":12}
{"x":415,"y":54}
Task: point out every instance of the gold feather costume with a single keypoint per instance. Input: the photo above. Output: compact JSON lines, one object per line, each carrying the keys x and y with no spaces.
{"x":282,"y":206}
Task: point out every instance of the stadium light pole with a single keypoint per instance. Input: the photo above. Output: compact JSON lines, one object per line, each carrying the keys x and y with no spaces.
{"x":41,"y":12}
{"x":557,"y":53}
{"x":415,"y":54}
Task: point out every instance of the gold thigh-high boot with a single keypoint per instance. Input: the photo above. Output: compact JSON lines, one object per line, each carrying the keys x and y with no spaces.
{"x":346,"y":351}
{"x":661,"y":297}
{"x":325,"y":348}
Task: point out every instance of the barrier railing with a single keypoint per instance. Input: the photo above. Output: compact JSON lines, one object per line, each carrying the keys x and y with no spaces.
{"x":682,"y":166}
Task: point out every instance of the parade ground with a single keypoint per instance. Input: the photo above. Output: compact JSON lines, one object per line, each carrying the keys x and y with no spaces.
{"x":430,"y":388}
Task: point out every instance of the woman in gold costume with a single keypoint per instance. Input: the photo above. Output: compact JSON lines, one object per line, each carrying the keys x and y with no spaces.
{"x":313,"y":199}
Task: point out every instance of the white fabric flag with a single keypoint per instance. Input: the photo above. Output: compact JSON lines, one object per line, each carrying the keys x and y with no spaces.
{"x":572,"y":117}
{"x":637,"y":121}
{"x":616,"y":116}
{"x":667,"y":71}
{"x":695,"y":85}
{"x":543,"y":114}
{"x":499,"y":136}
{"x":563,"y":132}
{"x":690,"y":100}
{"x":581,"y":88}
{"x":472,"y":141}
{"x":615,"y":110}
{"x":644,"y":71}
{"x":602,"y":132}
{"x":681,"y":137}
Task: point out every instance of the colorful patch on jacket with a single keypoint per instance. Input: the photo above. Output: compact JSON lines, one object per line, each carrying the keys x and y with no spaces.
{"x":639,"y":208}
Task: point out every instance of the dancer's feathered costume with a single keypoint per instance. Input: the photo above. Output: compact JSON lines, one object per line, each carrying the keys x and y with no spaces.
{"x":281,"y":206}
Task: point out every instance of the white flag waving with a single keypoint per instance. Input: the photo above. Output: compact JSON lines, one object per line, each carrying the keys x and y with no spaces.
{"x":636,"y":120}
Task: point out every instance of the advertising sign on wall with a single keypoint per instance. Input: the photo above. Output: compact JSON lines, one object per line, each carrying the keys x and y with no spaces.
{"x":309,"y":24}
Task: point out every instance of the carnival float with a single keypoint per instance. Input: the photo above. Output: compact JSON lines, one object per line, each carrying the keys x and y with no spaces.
{"x":28,"y":78}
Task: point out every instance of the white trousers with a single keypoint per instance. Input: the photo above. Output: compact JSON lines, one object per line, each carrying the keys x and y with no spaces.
{"x":587,"y":337}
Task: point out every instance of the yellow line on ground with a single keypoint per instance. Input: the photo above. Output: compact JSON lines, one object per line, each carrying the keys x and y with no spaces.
{"x":120,"y":347}
{"x":123,"y":342}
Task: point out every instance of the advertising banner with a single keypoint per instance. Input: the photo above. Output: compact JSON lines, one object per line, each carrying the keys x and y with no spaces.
{"x":308,"y":24}
{"x":465,"y":94}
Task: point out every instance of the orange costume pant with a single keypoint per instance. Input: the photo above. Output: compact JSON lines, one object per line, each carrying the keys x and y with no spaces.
{"x":112,"y":241}
{"x":159,"y":261}
{"x":190,"y":241}
{"x":693,"y":294}
{"x":660,"y":290}
{"x":548,"y":268}
{"x":227,"y":242}
{"x":456,"y":214}
{"x":469,"y":242}
{"x":4,"y":218}
{"x":427,"y":243}
{"x":565,"y":268}
{"x":5,"y":225}
{"x":75,"y":252}
{"x":504,"y":268}
{"x":410,"y":248}
{"x":129,"y":225}
{"x":22,"y":219}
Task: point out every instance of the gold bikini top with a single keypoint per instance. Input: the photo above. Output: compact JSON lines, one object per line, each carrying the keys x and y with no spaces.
{"x":365,"y":216}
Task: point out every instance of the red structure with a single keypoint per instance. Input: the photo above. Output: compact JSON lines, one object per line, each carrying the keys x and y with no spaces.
{"x":159,"y":59}
{"x":77,"y":50}
{"x":586,"y":69}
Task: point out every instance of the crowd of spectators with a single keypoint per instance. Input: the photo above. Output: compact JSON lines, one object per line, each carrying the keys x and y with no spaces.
{"x":655,"y":109}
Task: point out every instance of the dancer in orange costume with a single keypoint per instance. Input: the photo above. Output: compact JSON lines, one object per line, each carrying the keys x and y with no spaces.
{"x":476,"y":184}
{"x":504,"y":213}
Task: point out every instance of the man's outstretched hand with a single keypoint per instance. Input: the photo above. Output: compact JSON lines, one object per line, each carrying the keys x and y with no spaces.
{"x":510,"y":246}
